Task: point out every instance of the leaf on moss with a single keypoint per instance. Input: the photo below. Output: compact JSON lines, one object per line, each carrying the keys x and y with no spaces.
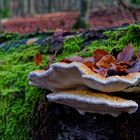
{"x":38,"y":59}
{"x":106,"y":61}
{"x":73,"y":59}
{"x":126,"y":54}
{"x":98,"y":54}
{"x":138,"y":54}
{"x":135,"y":67}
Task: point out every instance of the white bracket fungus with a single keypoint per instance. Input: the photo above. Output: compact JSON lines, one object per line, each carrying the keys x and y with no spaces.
{"x":62,"y":76}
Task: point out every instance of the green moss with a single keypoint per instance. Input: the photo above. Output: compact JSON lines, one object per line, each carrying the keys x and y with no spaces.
{"x":17,"y":98}
{"x":116,"y":39}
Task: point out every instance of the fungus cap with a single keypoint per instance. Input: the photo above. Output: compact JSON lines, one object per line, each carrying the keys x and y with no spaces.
{"x":62,"y":76}
{"x":88,"y":101}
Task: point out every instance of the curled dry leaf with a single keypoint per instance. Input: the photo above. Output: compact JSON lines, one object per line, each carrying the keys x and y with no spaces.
{"x":98,"y":54}
{"x":106,"y":61}
{"x":106,"y":64}
{"x":138,"y":54}
{"x":135,"y":68}
{"x":126,"y":54}
{"x":76,"y":59}
{"x":90,"y":59}
{"x":73,"y":59}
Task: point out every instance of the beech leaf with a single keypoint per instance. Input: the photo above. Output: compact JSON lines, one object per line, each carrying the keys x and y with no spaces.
{"x":126,"y":54}
{"x":106,"y":61}
{"x":98,"y":54}
{"x":135,"y":67}
{"x":138,"y":54}
{"x":38,"y":59}
{"x":73,"y":59}
{"x":91,"y":59}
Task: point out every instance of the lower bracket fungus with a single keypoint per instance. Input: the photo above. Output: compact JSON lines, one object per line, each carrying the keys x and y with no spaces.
{"x":65,"y":80}
{"x":88,"y":101}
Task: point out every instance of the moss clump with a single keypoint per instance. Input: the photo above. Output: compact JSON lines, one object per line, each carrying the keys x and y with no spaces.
{"x":116,"y":39}
{"x":17,"y":98}
{"x":72,"y":46}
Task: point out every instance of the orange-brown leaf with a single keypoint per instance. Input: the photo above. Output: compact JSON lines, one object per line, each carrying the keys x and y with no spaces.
{"x":106,"y":61}
{"x":88,"y":64}
{"x":66,"y":60}
{"x":38,"y":59}
{"x":138,"y":54}
{"x":98,"y":54}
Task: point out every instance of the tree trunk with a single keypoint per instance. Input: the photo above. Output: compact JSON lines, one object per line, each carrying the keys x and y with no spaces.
{"x":85,"y":9}
{"x":32,"y":7}
{"x":49,"y":5}
{"x":83,"y":19}
{"x":25,"y":7}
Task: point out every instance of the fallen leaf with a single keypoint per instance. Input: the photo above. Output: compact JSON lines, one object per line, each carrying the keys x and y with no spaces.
{"x":38,"y":59}
{"x":98,"y":54}
{"x":138,"y":54}
{"x":66,"y":61}
{"x":90,"y":59}
{"x":135,"y":67}
{"x":106,"y":61}
{"x":73,"y":59}
{"x":126,"y":54}
{"x":76,"y":59}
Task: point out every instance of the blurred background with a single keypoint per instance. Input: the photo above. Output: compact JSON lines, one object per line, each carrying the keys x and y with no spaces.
{"x":26,"y":16}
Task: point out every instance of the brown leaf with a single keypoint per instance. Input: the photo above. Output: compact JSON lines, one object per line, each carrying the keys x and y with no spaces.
{"x":106,"y":61}
{"x":76,"y":59}
{"x":138,"y":54}
{"x":102,"y":71}
{"x":89,"y":64}
{"x":135,"y":67}
{"x":126,"y":54}
{"x":73,"y":59}
{"x":90,"y":59}
{"x":38,"y":59}
{"x":98,"y":54}
{"x":66,"y":61}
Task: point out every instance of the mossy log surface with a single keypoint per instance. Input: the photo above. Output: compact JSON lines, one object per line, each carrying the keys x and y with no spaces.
{"x":25,"y":112}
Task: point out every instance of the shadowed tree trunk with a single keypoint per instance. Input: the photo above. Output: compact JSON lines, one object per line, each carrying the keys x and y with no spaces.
{"x":25,"y":7}
{"x":32,"y":7}
{"x":83,"y":19}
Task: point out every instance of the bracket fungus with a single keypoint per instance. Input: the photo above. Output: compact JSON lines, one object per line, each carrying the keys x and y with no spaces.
{"x":88,"y":101}
{"x":76,"y":85}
